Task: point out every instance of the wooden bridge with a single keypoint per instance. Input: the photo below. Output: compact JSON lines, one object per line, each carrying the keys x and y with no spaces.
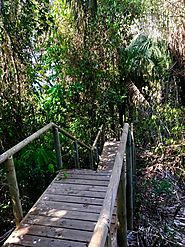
{"x":79,"y":208}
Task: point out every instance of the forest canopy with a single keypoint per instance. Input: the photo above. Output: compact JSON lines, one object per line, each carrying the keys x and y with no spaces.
{"x":84,"y":63}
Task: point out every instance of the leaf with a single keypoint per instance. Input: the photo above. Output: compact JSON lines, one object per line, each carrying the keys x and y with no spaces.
{"x":65,"y":174}
{"x":51,"y":168}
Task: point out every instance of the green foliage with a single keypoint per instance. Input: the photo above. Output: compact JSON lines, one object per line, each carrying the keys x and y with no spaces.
{"x":35,"y":161}
{"x":165,"y":126}
{"x":163,"y":186}
{"x":68,"y":62}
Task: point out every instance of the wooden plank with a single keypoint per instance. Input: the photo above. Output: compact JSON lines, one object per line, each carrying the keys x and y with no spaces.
{"x":83,"y":182}
{"x":86,"y":172}
{"x":94,"y":177}
{"x":64,"y":214}
{"x":71,"y":187}
{"x":58,"y":191}
{"x":53,"y":232}
{"x":74,"y":199}
{"x":39,"y":241}
{"x":69,"y":206}
{"x":60,"y":222}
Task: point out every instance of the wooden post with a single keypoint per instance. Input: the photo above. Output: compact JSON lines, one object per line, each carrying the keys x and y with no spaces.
{"x":57,"y":148}
{"x":76,"y":155}
{"x":129,"y":183}
{"x":108,"y":242}
{"x":97,"y":155}
{"x":14,"y":190}
{"x":91,"y":159}
{"x":121,"y":210}
{"x":102,"y":140}
{"x":133,"y":163}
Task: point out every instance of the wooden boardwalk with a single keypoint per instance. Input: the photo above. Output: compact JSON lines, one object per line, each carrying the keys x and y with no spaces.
{"x":66,"y":214}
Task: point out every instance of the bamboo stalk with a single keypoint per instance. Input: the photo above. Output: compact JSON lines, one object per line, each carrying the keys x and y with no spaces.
{"x":14,"y":190}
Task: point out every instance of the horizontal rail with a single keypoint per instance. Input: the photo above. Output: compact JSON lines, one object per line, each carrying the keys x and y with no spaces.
{"x":97,"y":137}
{"x":10,"y":152}
{"x":102,"y":227}
{"x":24,"y":143}
{"x":72,"y":137}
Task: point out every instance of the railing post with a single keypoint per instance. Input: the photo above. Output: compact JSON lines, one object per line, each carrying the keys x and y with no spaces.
{"x":97,"y":154}
{"x":108,"y":242}
{"x":14,"y":190}
{"x":133,"y":163}
{"x":57,"y":147}
{"x":121,"y":210}
{"x":91,"y":157}
{"x":76,"y":154}
{"x":129,"y":183}
{"x":102,"y":139}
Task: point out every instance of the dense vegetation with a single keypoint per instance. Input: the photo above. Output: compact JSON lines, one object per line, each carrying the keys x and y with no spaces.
{"x":83,"y":63}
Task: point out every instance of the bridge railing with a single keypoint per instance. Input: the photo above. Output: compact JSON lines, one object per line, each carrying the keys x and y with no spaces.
{"x":7,"y":158}
{"x":98,"y":144}
{"x":120,"y":187}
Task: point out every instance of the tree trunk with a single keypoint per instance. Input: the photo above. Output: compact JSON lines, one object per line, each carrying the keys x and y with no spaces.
{"x":138,"y":99}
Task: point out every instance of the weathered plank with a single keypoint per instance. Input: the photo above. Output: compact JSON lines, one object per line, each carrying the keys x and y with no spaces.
{"x":103,"y":183}
{"x":60,"y":222}
{"x":87,"y":172}
{"x":58,"y":191}
{"x":53,"y":232}
{"x":71,"y":187}
{"x":85,"y":207}
{"x":95,"y":177}
{"x":64,"y":213}
{"x":38,"y":241}
{"x":72,"y":199}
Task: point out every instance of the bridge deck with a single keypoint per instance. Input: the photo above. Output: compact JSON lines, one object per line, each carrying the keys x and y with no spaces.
{"x":66,"y":213}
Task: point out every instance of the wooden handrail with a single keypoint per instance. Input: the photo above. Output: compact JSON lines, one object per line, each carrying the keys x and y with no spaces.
{"x":102,"y":227}
{"x":10,"y":152}
{"x":72,"y":137}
